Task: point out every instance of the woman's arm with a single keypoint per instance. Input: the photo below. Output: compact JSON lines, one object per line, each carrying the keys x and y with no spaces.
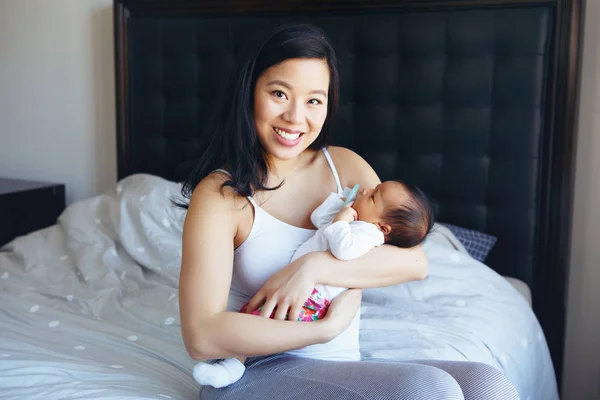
{"x":206,"y":271}
{"x":382,"y":266}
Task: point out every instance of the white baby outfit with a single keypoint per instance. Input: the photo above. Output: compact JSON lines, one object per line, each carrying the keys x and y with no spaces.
{"x":346,"y":241}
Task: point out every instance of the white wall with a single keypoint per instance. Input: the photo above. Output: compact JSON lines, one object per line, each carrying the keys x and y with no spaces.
{"x":57,"y":113}
{"x":582,"y":359}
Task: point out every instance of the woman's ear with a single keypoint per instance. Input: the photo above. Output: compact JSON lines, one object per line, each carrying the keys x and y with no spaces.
{"x":384,"y":228}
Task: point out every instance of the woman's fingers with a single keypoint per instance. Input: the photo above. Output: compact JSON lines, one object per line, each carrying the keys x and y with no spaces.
{"x":295,"y":313}
{"x":256,"y":301}
{"x":281,"y":311}
{"x":268,"y":307}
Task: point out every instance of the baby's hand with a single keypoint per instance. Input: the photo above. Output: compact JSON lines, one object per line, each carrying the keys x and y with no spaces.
{"x":347,"y":214}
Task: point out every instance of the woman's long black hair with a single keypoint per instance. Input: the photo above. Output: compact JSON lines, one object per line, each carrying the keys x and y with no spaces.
{"x":230,"y":139}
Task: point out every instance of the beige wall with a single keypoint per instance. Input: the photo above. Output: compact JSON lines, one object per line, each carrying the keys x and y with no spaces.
{"x":57,"y":123}
{"x":582,"y":359}
{"x":57,"y":117}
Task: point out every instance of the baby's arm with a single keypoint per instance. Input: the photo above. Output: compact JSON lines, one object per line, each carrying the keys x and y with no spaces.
{"x":349,"y":241}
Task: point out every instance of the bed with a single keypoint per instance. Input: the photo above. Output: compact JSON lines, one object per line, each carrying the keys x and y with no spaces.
{"x":474,"y":101}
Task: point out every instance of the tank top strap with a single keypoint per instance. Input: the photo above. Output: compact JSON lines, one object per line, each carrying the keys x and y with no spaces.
{"x":223,"y":171}
{"x":228,"y":173}
{"x":331,"y":166}
{"x":333,"y":170}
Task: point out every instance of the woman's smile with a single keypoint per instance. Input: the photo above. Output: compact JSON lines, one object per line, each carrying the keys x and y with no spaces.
{"x":288,"y":137}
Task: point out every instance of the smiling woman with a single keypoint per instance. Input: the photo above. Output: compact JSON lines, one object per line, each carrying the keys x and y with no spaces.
{"x":290,"y":106}
{"x":286,"y":85}
{"x":268,"y":148}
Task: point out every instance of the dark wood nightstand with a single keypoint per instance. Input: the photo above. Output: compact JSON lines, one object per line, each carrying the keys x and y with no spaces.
{"x":27,"y":206}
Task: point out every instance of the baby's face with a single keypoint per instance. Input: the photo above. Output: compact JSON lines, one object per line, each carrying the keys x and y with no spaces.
{"x":371,"y":204}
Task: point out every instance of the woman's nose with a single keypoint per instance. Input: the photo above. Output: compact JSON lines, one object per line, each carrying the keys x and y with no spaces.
{"x":295,"y":113}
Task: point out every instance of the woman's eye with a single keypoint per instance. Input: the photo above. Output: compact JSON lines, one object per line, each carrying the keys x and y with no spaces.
{"x":279,"y":94}
{"x":315,"y":101}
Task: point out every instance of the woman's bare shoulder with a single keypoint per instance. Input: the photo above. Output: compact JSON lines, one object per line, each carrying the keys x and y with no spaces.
{"x":352,"y":168}
{"x":210,"y":193}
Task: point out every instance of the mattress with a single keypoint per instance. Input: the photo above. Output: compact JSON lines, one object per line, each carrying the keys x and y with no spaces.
{"x":444,"y":237}
{"x":89,"y":307}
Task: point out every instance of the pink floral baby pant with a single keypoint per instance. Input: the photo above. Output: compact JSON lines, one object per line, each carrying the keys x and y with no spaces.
{"x":313,"y":309}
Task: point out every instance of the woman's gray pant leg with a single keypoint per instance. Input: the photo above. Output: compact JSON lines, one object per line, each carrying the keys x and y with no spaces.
{"x":287,"y":377}
{"x":478,"y":381}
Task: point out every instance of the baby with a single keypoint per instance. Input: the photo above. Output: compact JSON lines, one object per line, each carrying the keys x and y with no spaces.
{"x":392,"y":213}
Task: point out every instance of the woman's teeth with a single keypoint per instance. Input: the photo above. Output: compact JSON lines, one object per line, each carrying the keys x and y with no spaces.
{"x":287,"y":136}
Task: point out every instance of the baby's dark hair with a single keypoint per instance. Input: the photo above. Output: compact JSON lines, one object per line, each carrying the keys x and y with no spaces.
{"x":411,"y":220}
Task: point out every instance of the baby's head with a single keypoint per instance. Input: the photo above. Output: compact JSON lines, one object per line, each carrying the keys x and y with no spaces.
{"x":403,"y":213}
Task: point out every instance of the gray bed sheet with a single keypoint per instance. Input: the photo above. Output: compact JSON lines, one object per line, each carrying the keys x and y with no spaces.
{"x":89,"y":308}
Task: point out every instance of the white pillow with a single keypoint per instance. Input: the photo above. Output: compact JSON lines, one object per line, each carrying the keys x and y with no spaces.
{"x":151,"y":226}
{"x":132,"y":224}
{"x":442,"y":235}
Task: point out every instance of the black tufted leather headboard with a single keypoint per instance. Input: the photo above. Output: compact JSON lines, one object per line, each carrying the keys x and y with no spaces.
{"x":471,"y":100}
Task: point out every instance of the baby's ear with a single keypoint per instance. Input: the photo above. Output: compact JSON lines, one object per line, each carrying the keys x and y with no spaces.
{"x":384,"y":228}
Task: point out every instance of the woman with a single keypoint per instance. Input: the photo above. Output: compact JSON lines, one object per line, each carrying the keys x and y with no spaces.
{"x":264,"y":169}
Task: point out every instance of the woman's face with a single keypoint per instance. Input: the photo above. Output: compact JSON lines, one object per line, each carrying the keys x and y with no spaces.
{"x":290,"y":106}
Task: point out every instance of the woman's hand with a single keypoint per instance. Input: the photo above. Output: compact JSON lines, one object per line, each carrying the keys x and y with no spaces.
{"x":342,"y":311}
{"x":287,"y":290}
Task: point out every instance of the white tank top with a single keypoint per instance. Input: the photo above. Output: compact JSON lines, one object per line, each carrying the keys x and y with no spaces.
{"x":268,"y":248}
